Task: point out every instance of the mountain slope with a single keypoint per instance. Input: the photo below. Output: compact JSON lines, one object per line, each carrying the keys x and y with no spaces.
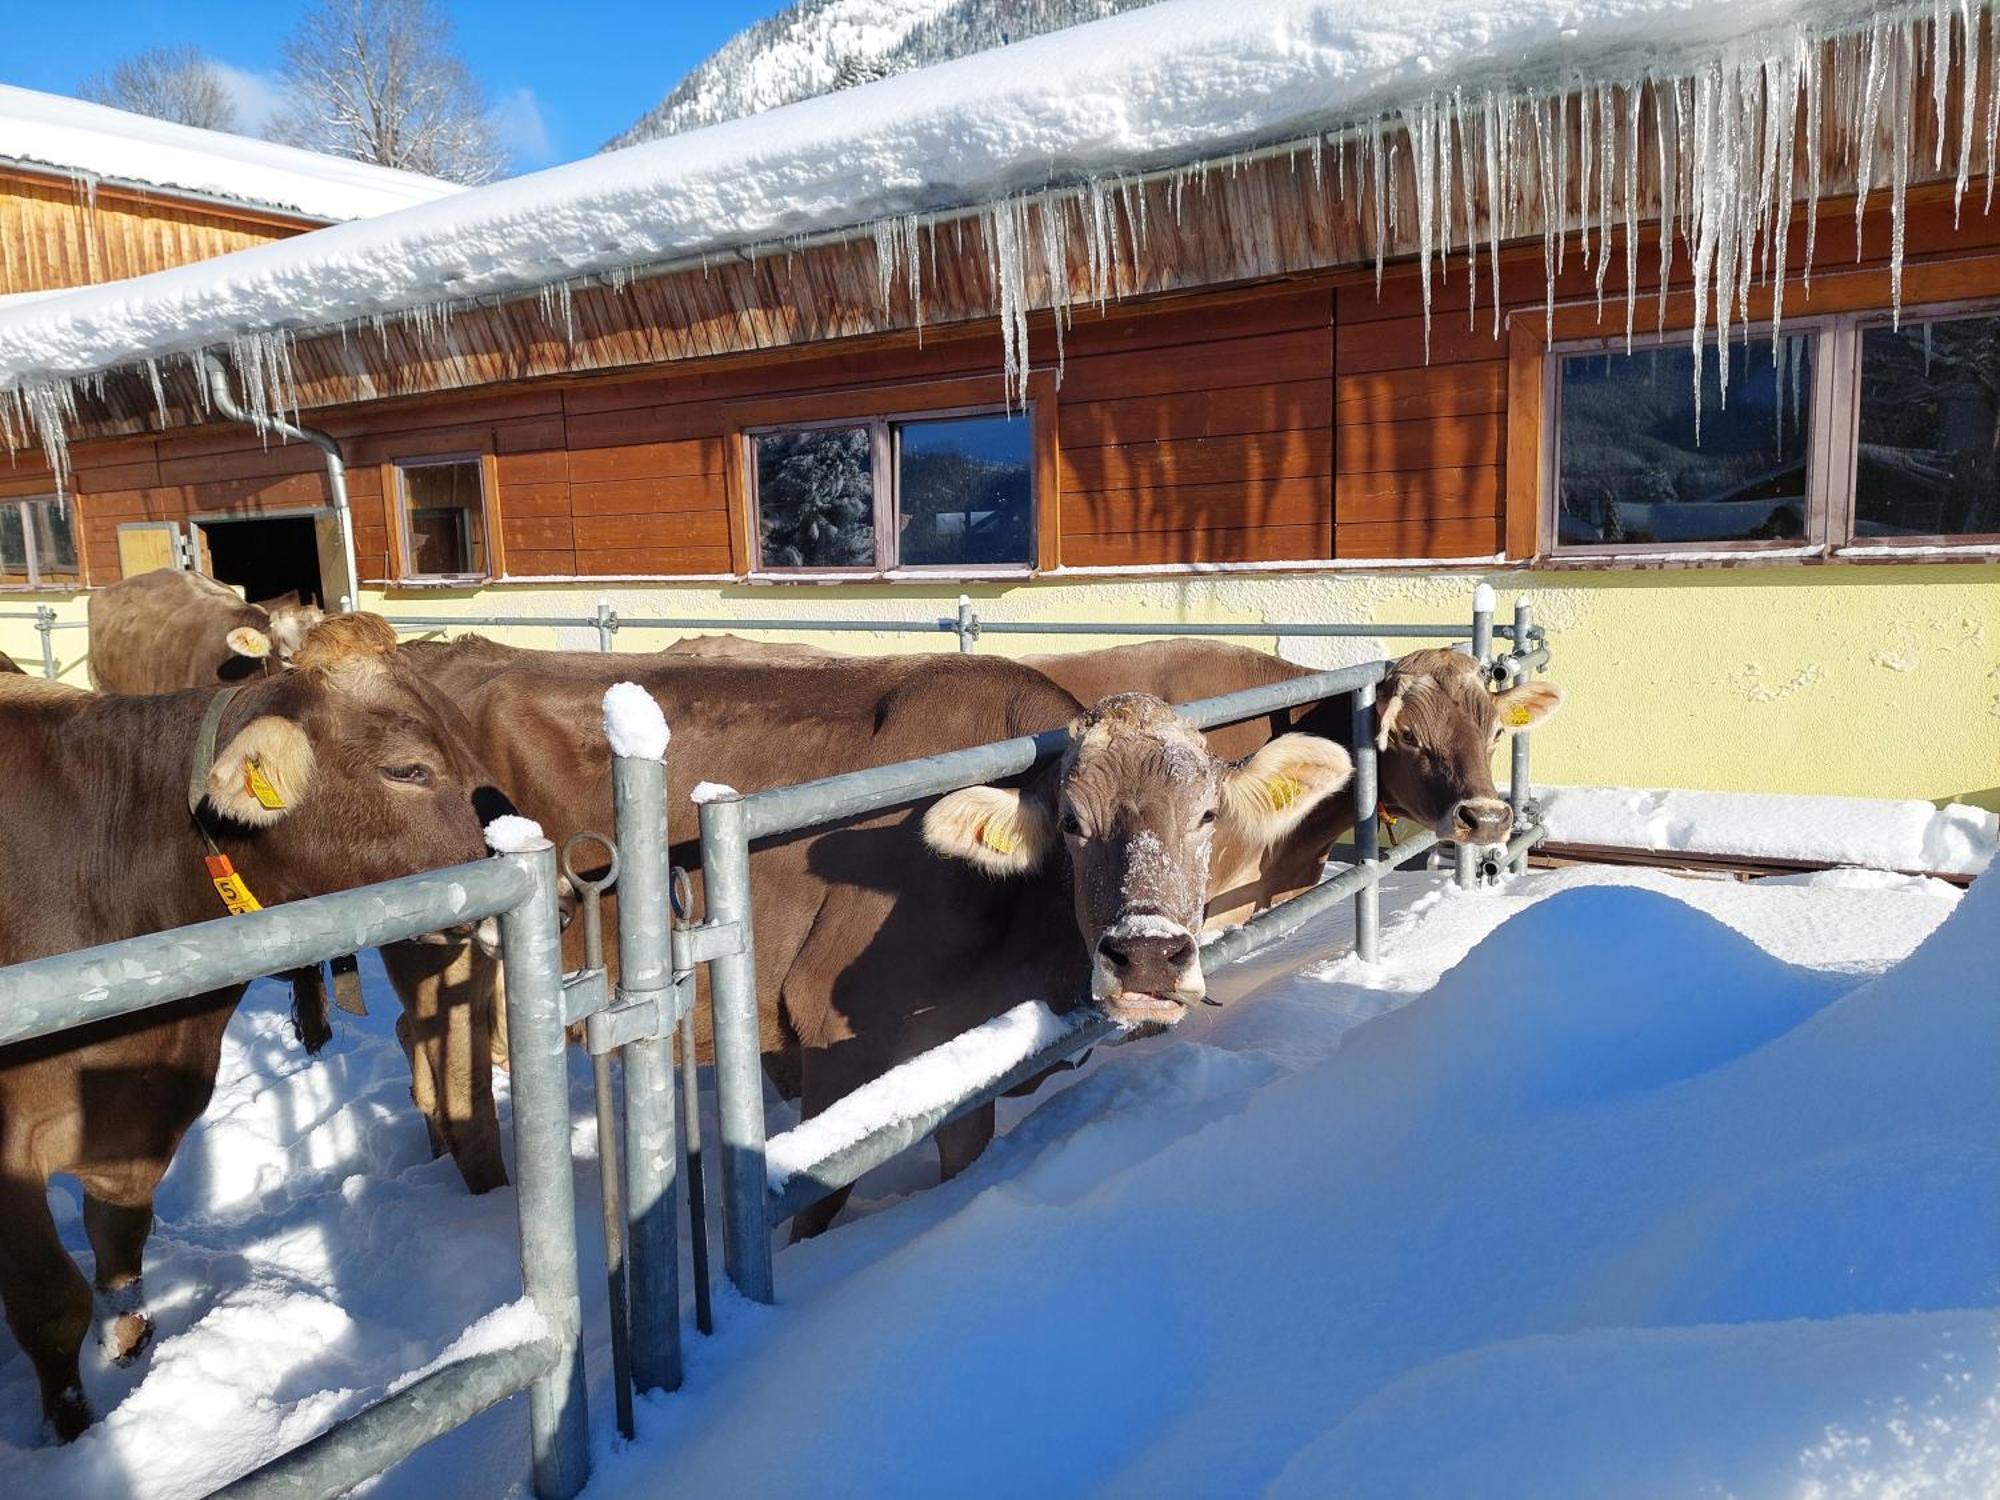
{"x":817,"y":46}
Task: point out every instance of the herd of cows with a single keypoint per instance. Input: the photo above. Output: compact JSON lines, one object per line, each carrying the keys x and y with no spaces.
{"x":313,"y":754}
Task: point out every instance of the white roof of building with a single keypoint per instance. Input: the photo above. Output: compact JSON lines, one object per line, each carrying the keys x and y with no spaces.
{"x":93,"y":142}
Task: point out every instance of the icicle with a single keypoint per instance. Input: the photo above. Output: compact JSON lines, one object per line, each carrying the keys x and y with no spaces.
{"x":1422,"y":126}
{"x":1469,"y":198}
{"x":1607,"y":159}
{"x":1669,"y":181}
{"x":1940,"y":77}
{"x":1968,"y":88}
{"x":1871,"y":103}
{"x":1381,"y":195}
{"x":1900,"y":126}
{"x":1634,"y":97}
{"x":1496,"y":196}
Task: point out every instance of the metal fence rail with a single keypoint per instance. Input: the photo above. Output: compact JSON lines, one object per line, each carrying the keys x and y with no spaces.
{"x":729,"y":822}
{"x":46,"y":624}
{"x":57,"y":993}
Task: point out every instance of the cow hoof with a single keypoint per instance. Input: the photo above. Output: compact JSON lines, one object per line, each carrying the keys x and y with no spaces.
{"x":128,"y":1337}
{"x":69,"y":1416}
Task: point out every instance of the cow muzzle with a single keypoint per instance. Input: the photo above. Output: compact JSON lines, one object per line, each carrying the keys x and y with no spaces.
{"x":1147,"y":970}
{"x":1479,"y":820}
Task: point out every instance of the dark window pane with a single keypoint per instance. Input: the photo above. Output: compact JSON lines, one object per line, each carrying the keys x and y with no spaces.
{"x":13,"y":543}
{"x":1634,"y":472}
{"x":55,"y":539}
{"x":1930,"y":417}
{"x":965,"y":492}
{"x":447,"y":527}
{"x":816,"y":498}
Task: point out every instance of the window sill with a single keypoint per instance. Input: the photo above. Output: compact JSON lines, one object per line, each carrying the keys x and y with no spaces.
{"x":461,"y":582}
{"x":1751,"y":557}
{"x":892,"y":575}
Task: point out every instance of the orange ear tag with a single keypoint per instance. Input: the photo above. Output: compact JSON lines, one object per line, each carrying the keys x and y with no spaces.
{"x":1520,"y":716}
{"x":258,"y":785}
{"x":229,"y":885}
{"x":998,"y":837}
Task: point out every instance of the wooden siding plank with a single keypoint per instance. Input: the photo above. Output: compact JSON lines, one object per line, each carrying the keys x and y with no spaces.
{"x":652,"y":561}
{"x":635,"y":497}
{"x":1283,"y":502}
{"x":1432,"y":493}
{"x":692,"y":529}
{"x":1419,"y":537}
{"x":669,"y":460}
{"x":1306,"y":355}
{"x":1244,"y":459}
{"x":1432,"y":391}
{"x":1277,"y":406}
{"x":1432,"y":443}
{"x":1236,"y":544}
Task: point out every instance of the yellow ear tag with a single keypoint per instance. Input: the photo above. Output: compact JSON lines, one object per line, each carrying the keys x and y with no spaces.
{"x":1520,"y":716}
{"x":258,"y":785}
{"x":996,"y":836}
{"x":1283,"y":790}
{"x":230,"y":887}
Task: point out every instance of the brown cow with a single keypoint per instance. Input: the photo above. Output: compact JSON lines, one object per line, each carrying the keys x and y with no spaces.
{"x":165,"y":630}
{"x":1438,"y":726}
{"x":8,"y":664}
{"x":870,"y":949}
{"x":1437,"y":722}
{"x":363,"y":772}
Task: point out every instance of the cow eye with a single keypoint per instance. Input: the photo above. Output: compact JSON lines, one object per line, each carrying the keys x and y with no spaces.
{"x":1207,"y":818}
{"x":409,"y":775}
{"x":1072,"y":825}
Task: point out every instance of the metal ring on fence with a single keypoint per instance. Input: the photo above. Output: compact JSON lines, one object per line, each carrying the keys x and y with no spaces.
{"x":680,"y":892}
{"x":610,"y":876}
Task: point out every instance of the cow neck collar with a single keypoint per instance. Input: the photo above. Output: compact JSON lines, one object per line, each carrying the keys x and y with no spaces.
{"x":204,"y":755}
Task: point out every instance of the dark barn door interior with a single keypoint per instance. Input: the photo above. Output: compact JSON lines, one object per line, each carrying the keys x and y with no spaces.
{"x":266,"y":557}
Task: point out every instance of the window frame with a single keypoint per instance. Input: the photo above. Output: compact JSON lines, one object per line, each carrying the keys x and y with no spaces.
{"x":402,"y":563}
{"x":1820,"y":463}
{"x":886,"y":481}
{"x":33,"y":580}
{"x":1832,"y":449}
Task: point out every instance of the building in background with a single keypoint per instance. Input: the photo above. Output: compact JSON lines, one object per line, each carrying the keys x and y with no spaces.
{"x":1304,"y":336}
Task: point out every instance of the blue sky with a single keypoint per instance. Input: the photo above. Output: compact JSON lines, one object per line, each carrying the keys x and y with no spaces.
{"x":563,"y":79}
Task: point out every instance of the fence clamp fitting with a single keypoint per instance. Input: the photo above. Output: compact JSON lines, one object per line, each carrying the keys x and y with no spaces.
{"x":705,"y":942}
{"x":584,"y":994}
{"x":638,"y":1016}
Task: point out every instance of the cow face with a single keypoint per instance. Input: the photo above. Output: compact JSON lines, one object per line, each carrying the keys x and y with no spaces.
{"x":351,"y":770}
{"x":1438,"y":725}
{"x":1133,"y":815}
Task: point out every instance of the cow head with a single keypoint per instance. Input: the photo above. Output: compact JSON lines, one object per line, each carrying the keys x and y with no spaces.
{"x":348,"y":770}
{"x":1437,"y":726}
{"x":1133,"y":814}
{"x":287,"y":623}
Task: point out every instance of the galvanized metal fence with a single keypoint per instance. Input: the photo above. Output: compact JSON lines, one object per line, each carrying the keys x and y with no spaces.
{"x":46,"y":625}
{"x":753,"y":1200}
{"x":51,"y":995}
{"x":659,"y":954}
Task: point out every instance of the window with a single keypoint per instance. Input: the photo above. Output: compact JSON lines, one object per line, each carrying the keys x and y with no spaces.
{"x":1843,"y":432}
{"x":442,"y":504}
{"x":1926,"y":464}
{"x":948,"y":491}
{"x":37,"y":543}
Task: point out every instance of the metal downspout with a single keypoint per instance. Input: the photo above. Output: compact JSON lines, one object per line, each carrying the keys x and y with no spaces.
{"x":336,"y":467}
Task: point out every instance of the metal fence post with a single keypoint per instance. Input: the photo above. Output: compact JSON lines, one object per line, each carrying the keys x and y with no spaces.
{"x":607,"y":624}
{"x":1519,"y":787}
{"x":968,"y":626}
{"x":645,"y":973}
{"x":1466,"y":865}
{"x":739,"y":1075}
{"x":1367,"y":809}
{"x":45,"y":623}
{"x":558,"y":1417}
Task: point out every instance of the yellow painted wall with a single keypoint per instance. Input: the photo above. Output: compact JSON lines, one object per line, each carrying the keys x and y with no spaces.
{"x":1858,"y":681}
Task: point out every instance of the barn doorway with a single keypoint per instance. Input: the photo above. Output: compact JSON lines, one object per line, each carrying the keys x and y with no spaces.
{"x":266,"y":556}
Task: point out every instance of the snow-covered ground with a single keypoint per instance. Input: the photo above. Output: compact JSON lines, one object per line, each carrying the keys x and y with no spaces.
{"x":1606,"y":1183}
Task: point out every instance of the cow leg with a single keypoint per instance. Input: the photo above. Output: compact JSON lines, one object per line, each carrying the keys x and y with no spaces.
{"x":448,"y":995}
{"x":118,"y":1233}
{"x":960,"y":1141}
{"x":824,"y":1076}
{"x":423,"y":1088}
{"x":47,"y":1301}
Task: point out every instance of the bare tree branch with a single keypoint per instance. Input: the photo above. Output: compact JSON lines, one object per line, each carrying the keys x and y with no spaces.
{"x":377,"y":80}
{"x":168,"y":83}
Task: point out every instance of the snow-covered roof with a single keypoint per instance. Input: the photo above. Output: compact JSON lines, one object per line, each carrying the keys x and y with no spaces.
{"x":1180,"y":84}
{"x":98,"y":144}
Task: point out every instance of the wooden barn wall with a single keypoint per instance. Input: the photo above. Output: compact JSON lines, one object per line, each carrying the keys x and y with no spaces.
{"x":1295,"y":422}
{"x":54,"y":234}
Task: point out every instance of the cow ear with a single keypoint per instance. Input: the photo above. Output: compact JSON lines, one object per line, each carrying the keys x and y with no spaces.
{"x":263,"y":773}
{"x":1003,"y":832}
{"x":248,"y":640}
{"x":1527,"y":704}
{"x":1269,"y":795}
{"x":1387,"y":709}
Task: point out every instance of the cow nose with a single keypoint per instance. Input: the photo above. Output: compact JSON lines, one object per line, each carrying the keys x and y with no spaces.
{"x":1148,"y":954}
{"x":1482,"y":820}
